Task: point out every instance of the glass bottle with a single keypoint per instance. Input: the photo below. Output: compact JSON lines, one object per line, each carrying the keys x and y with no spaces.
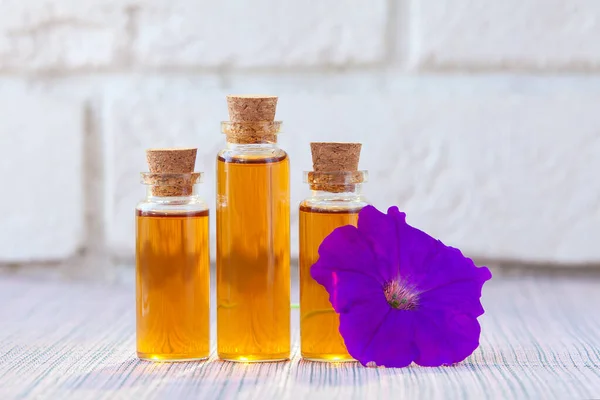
{"x":253,"y":242}
{"x":330,"y":206}
{"x":172,"y":269}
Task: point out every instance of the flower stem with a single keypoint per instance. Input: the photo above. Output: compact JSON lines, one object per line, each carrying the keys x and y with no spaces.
{"x":227,"y":306}
{"x":317,"y":312}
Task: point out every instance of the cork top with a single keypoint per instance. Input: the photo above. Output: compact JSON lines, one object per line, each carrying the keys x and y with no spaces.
{"x":171,"y":161}
{"x":251,"y":108}
{"x":332,"y":156}
{"x":335,"y":167}
{"x":172,"y":171}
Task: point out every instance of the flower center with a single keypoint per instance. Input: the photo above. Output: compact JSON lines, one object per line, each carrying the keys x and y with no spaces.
{"x":400,"y":296}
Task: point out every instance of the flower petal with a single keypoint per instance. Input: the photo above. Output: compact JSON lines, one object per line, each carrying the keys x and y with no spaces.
{"x":449,"y":266}
{"x":356,"y":265}
{"x":379,"y":231}
{"x":463,"y":296}
{"x":375,"y":333}
{"x":346,"y":289}
{"x":415,"y":248}
{"x":428,"y":263}
{"x":345,"y":250}
{"x":445,"y":338}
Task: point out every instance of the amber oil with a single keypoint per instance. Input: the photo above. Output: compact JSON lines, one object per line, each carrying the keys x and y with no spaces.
{"x":334,"y":205}
{"x":172,"y":274}
{"x":253,"y":248}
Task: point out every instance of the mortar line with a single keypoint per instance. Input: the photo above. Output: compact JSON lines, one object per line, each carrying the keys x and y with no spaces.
{"x":395,"y":25}
{"x":92,"y":260}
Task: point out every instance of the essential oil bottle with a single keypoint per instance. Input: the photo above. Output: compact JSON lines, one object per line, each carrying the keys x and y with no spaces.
{"x":172,"y":261}
{"x":336,"y":201}
{"x":253,"y":235}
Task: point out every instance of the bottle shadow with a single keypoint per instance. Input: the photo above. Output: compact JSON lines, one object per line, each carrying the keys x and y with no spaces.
{"x":353,"y":374}
{"x":179,"y":378}
{"x":213,"y":377}
{"x":329,"y":374}
{"x":132,"y":373}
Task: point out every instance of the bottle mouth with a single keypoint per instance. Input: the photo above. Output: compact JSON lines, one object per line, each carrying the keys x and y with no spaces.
{"x":251,"y":132}
{"x":251,"y":128}
{"x":335,"y":177}
{"x":335,"y":181}
{"x":171,"y":179}
{"x":171,"y":185}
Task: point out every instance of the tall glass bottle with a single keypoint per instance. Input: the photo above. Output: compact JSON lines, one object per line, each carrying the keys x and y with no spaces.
{"x":172,"y":261}
{"x":253,"y":235}
{"x":336,"y":201}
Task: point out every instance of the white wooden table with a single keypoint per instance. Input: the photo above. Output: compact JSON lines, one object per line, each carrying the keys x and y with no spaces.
{"x":76,"y":340}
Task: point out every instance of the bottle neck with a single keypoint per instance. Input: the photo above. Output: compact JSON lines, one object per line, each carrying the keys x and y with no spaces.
{"x":351,"y":193}
{"x":251,"y":132}
{"x":255,"y":152}
{"x":344,"y":200}
{"x":328,"y":201}
{"x":252,"y":147}
{"x":154,"y":196}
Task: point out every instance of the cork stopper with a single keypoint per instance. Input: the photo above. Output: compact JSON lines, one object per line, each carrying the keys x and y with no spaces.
{"x":335,"y":156}
{"x":179,"y":162}
{"x":251,"y":119}
{"x":251,"y":108}
{"x":171,"y":161}
{"x":335,"y":166}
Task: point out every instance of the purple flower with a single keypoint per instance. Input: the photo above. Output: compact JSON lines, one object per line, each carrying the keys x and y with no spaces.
{"x":401,"y":295}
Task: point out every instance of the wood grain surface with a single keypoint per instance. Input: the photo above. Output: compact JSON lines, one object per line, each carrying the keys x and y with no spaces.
{"x":75,"y":340}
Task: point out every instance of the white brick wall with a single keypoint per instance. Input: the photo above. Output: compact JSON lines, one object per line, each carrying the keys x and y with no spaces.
{"x":264,"y":33}
{"x":148,"y":113}
{"x":507,"y":34}
{"x":42,"y":174}
{"x":487,"y":135}
{"x":61,"y":35}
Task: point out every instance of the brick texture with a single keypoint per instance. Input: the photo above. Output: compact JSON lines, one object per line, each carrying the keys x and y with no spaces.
{"x":261,"y":33}
{"x":543,"y":35}
{"x":466,"y":124}
{"x":155,"y":113}
{"x":57,"y":35}
{"x":486,"y":174}
{"x":41,"y":170}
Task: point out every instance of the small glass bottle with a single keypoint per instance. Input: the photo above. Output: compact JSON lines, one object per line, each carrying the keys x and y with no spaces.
{"x":336,"y":201}
{"x":253,"y":235}
{"x":172,"y":261}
